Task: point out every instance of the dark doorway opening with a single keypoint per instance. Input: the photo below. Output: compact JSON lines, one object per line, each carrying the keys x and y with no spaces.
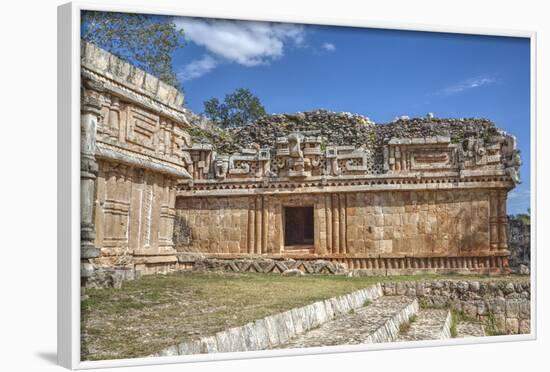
{"x":298,"y":227}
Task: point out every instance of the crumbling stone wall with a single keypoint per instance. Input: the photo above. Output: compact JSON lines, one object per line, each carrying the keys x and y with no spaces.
{"x":344,"y":128}
{"x":519,"y":243}
{"x":504,"y":305}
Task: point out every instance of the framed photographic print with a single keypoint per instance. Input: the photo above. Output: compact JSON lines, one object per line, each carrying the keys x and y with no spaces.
{"x":235,"y":187}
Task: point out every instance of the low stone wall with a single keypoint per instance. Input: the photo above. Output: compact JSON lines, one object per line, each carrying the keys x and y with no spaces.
{"x":390,"y":331}
{"x":504,"y":305}
{"x":107,"y":277}
{"x":277,"y":329}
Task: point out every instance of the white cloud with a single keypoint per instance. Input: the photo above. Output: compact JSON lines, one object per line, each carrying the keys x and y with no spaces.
{"x":244,"y":42}
{"x":468,"y":84}
{"x":197,"y":68}
{"x":329,"y":47}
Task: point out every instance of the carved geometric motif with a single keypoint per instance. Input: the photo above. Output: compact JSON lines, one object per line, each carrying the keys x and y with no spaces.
{"x":142,"y":127}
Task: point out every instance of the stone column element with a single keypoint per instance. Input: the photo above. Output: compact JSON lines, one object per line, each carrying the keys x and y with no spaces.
{"x":342,"y":213}
{"x":335,"y":224}
{"x":114,"y":116}
{"x":328,"y":219}
{"x":90,"y":112}
{"x":265,"y":226}
{"x":493,"y":219}
{"x":502,"y":221}
{"x":251,"y":223}
{"x":258,"y":228}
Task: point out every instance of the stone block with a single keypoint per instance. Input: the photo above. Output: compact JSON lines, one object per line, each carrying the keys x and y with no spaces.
{"x":262,"y":337}
{"x":524,"y":326}
{"x":250,"y":338}
{"x":169,"y":351}
{"x":512,"y":325}
{"x":524,"y":309}
{"x":189,"y":348}
{"x":209,"y":345}
{"x":512,"y":308}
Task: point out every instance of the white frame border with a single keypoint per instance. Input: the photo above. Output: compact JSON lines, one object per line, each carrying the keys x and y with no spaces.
{"x":68,"y":220}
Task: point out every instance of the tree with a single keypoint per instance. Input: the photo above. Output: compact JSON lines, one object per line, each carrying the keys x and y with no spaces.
{"x":525,"y":218}
{"x":238,"y":109}
{"x":147,"y":41}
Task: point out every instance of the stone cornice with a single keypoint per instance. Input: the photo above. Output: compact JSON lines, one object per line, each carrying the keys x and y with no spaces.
{"x":446,"y":181}
{"x":117,"y":154}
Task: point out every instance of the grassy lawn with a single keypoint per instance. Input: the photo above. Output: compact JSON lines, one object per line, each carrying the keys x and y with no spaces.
{"x":147,"y":315}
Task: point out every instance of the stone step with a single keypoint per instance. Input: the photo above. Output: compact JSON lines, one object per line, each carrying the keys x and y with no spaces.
{"x":429,"y":324}
{"x":469,"y":329}
{"x":378,"y":321}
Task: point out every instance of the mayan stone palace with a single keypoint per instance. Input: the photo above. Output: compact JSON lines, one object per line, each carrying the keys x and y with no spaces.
{"x":317,"y":190}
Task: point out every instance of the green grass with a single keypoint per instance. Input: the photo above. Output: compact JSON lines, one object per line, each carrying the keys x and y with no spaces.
{"x":490,"y":325}
{"x":404,"y":327}
{"x":147,"y":315}
{"x":460,"y":316}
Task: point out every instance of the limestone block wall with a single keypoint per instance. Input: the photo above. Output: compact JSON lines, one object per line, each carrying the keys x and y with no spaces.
{"x":134,"y":132}
{"x":381,"y":230}
{"x":212,"y":225}
{"x":429,"y":223}
{"x":134,"y":213}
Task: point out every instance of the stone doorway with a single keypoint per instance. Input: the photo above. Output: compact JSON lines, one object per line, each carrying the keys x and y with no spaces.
{"x":299,"y":230}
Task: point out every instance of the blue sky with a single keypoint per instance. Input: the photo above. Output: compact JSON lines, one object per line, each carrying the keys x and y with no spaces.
{"x":377,"y":73}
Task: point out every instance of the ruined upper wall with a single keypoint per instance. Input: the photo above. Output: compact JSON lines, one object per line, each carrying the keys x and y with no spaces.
{"x":140,"y":121}
{"x":133,"y":81}
{"x":346,"y":129}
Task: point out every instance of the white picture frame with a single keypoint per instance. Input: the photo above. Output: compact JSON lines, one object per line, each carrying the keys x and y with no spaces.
{"x":69,"y":182}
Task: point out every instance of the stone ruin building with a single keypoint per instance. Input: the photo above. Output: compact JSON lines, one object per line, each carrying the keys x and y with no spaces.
{"x":415,"y":195}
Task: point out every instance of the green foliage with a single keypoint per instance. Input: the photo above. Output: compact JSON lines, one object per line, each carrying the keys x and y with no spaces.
{"x":404,"y":327}
{"x":455,"y":318}
{"x":490,"y":325}
{"x":238,"y":109}
{"x":147,"y":41}
{"x":525,"y":218}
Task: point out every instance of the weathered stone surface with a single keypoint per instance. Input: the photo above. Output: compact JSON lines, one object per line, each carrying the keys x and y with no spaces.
{"x":293,"y":272}
{"x":469,"y":329}
{"x":519,"y":233}
{"x":413,"y":196}
{"x":190,"y":347}
{"x":376,"y":322}
{"x":277,"y":329}
{"x":134,"y":132}
{"x":506,"y":303}
{"x":429,"y":324}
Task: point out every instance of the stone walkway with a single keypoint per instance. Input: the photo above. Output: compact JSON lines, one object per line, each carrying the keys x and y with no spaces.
{"x":469,"y":329}
{"x":376,"y":322}
{"x":429,"y":324}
